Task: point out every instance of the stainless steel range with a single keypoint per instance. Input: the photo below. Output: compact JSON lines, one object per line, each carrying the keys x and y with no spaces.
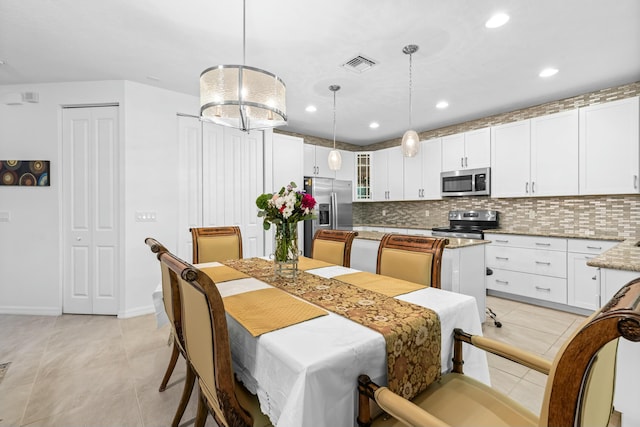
{"x":468,"y":224}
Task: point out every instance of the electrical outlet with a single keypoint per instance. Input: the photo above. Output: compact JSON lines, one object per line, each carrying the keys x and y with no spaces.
{"x":384,"y":212}
{"x":426,"y":213}
{"x":5,"y":216}
{"x":532,"y":214}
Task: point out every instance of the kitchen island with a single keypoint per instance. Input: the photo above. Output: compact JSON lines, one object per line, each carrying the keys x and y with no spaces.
{"x":463,"y":264}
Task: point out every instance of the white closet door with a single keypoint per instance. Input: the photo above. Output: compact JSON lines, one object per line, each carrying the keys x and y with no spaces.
{"x":90,"y":210}
{"x":252,"y":186}
{"x":191,"y":182}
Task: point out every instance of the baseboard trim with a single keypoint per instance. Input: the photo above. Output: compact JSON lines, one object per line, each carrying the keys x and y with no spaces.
{"x":541,"y":303}
{"x":135,"y":312}
{"x":31,"y":311}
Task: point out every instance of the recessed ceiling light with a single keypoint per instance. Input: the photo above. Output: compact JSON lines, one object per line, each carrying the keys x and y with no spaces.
{"x":311,"y":109}
{"x":442,"y":105}
{"x":497,"y":20}
{"x":374,"y":125}
{"x":548,"y":72}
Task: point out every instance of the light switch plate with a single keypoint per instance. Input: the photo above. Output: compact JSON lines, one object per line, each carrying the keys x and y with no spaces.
{"x":5,"y":216}
{"x":146,"y":216}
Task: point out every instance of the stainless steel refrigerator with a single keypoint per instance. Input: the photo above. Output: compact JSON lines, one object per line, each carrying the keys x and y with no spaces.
{"x":334,"y":209}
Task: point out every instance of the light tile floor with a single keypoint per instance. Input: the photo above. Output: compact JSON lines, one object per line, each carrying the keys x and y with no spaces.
{"x":102,"y":371}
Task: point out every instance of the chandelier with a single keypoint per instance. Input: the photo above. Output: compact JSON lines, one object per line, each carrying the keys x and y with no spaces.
{"x":242,"y":97}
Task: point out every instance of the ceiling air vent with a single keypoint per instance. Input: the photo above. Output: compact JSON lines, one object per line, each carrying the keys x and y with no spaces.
{"x":359,"y":64}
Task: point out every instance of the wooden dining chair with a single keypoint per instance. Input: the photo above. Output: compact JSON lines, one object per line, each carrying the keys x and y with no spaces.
{"x":172,"y":306}
{"x":216,"y":244}
{"x":206,"y":337}
{"x":415,"y":259}
{"x":579,"y":388}
{"x":333,"y":246}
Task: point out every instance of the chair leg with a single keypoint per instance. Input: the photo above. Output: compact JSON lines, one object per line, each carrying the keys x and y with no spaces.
{"x":172,"y":364}
{"x":186,"y":394}
{"x":201,"y":414}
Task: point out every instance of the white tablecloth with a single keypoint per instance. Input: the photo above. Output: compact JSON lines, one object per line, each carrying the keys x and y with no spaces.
{"x":306,"y":374}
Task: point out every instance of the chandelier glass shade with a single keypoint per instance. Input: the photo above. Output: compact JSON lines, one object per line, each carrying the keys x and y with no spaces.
{"x":335,"y":158}
{"x":242,"y":97}
{"x":410,"y":140}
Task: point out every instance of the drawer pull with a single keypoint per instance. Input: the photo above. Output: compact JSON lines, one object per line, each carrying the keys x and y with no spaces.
{"x":502,"y":241}
{"x":543,"y":263}
{"x":543,"y":289}
{"x":543,"y":244}
{"x":503,"y":258}
{"x":506,"y":282}
{"x":594,"y":247}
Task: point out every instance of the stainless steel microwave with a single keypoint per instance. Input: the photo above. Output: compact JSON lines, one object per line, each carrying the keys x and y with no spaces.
{"x":467,"y":182}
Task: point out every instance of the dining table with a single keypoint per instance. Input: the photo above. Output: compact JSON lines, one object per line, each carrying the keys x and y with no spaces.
{"x":305,"y":374}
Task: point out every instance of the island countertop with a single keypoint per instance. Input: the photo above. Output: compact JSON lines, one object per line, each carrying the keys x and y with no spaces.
{"x":624,"y":256}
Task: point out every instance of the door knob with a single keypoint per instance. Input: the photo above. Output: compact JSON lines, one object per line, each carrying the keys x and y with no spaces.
{"x":78,"y":238}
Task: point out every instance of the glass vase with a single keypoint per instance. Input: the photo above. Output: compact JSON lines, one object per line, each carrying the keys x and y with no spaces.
{"x":286,"y":252}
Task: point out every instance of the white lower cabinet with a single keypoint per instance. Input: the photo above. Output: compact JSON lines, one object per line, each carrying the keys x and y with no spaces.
{"x":583,"y":281}
{"x":528,"y":266}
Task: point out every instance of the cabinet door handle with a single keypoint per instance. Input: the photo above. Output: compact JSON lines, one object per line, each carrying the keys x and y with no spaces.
{"x":543,"y":244}
{"x":594,"y":247}
{"x":461,"y":162}
{"x":543,"y":289}
{"x":543,"y":263}
{"x":595,"y":277}
{"x":503,"y":258}
{"x":533,"y":187}
{"x":526,"y":187}
{"x":635,"y":181}
{"x":466,"y":162}
{"x":506,"y":282}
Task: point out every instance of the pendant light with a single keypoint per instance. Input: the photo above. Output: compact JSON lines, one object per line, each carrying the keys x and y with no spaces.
{"x":242,"y":97}
{"x":335,"y":159}
{"x":410,"y":139}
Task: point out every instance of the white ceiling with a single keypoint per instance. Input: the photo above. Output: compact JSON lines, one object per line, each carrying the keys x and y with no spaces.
{"x":594,"y":43}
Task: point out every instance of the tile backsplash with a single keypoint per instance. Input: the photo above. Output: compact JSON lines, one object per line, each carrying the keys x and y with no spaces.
{"x":581,"y":216}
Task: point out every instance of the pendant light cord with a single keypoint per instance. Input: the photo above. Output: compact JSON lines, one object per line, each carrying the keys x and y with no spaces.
{"x":334,"y":119}
{"x":410,"y":89}
{"x":244,"y":32}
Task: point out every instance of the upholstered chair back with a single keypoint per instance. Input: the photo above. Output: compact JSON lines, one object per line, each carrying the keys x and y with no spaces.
{"x":415,"y":259}
{"x":216,"y":244}
{"x":333,"y":246}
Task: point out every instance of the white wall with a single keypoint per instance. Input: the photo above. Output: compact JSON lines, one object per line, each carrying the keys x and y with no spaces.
{"x":30,"y":272}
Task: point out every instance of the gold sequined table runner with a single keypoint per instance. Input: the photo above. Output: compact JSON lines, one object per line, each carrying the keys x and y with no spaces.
{"x":411,"y":332}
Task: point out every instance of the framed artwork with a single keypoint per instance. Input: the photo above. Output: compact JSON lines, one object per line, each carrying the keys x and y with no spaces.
{"x":26,"y":173}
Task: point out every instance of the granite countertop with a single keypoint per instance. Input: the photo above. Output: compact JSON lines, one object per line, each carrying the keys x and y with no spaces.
{"x":454,"y":243}
{"x":625,"y":256}
{"x":549,"y":233}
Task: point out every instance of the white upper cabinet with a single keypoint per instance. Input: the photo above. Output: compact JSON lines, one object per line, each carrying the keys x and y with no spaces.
{"x":554,"y":154}
{"x":316,"y":161}
{"x":347,"y":170}
{"x":387,"y":174}
{"x":609,"y":147}
{"x":422,"y":172}
{"x":468,"y":150}
{"x":510,"y":159}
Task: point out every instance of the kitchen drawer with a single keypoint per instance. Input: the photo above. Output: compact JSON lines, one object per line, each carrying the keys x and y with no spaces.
{"x":508,"y":281}
{"x":545,"y":288}
{"x":548,"y":288}
{"x":586,"y":246}
{"x":544,"y":262}
{"x":533,"y":242}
